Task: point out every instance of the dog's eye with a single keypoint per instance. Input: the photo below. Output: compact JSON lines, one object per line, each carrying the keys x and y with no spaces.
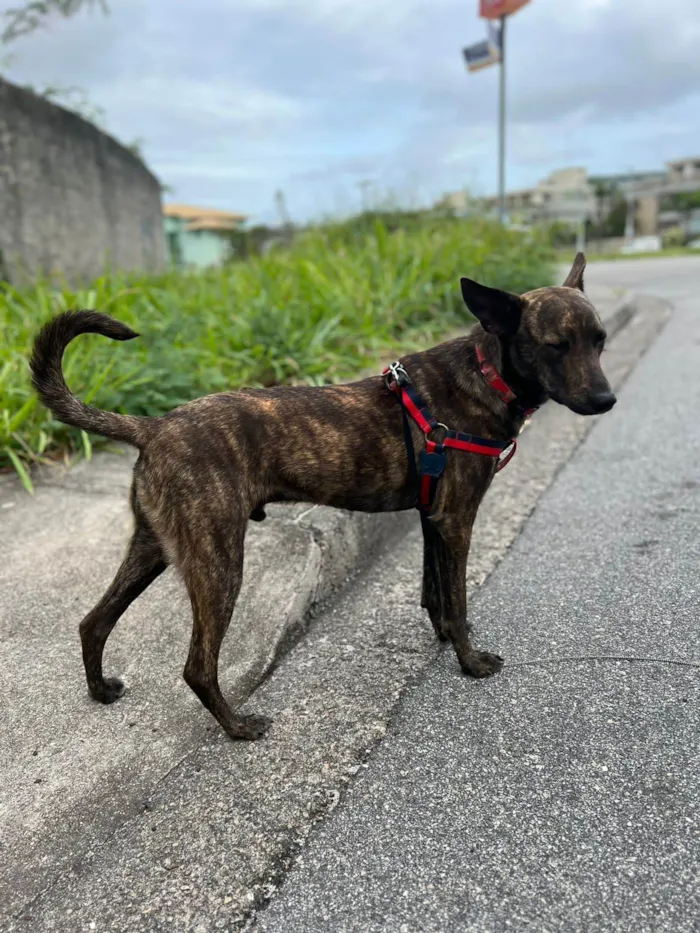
{"x":560,"y":346}
{"x":600,"y":342}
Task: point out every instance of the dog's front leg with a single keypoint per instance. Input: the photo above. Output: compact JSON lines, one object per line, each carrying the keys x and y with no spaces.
{"x":451,"y":548}
{"x":431,"y":597}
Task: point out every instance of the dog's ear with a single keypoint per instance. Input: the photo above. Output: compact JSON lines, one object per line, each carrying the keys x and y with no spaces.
{"x":575,"y":278}
{"x":498,"y":312}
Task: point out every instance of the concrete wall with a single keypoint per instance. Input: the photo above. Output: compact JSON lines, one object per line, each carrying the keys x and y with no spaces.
{"x":72,"y":199}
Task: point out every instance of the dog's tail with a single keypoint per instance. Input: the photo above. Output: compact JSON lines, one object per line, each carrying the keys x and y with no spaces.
{"x":47,"y":376}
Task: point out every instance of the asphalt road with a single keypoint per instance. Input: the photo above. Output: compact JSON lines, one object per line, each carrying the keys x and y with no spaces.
{"x":563,"y":795}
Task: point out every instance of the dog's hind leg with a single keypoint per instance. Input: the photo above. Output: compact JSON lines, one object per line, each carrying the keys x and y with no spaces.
{"x":143,"y":563}
{"x":213,"y":575}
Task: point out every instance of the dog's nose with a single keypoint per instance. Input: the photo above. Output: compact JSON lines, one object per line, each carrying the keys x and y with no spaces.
{"x":602,"y":401}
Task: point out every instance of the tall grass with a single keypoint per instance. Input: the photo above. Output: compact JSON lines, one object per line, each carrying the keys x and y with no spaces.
{"x":337,"y":300}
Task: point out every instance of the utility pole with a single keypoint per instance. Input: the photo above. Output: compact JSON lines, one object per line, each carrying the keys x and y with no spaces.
{"x":287,"y":227}
{"x":489,"y":52}
{"x":364,"y":187}
{"x":502,"y":128}
{"x":282,"y":212}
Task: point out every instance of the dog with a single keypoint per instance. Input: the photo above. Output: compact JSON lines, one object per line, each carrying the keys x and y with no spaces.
{"x":207,"y":467}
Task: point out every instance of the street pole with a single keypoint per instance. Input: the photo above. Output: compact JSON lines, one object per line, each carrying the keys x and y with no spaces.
{"x":502,"y":128}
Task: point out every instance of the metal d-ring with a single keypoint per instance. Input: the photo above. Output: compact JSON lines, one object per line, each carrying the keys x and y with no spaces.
{"x":396,"y":372}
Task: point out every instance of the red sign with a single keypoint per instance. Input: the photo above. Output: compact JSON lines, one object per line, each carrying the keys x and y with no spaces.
{"x":495,"y":9}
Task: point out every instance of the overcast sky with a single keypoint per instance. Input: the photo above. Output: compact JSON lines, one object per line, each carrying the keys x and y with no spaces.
{"x":236,"y":98}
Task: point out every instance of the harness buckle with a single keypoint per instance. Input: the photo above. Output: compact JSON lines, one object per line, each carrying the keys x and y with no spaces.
{"x":397,"y":374}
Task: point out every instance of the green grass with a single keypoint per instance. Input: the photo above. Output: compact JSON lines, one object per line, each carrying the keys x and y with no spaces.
{"x":337,"y":301}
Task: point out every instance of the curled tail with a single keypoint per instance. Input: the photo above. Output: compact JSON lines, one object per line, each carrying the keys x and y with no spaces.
{"x":47,"y":376}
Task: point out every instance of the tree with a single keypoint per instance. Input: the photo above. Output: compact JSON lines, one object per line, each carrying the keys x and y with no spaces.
{"x":611,"y":211}
{"x":21,"y":20}
{"x":605,"y":193}
{"x":686,"y":203}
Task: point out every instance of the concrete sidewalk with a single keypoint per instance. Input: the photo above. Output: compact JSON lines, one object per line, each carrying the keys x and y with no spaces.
{"x":73,"y":769}
{"x":565,"y":794}
{"x":76,"y":774}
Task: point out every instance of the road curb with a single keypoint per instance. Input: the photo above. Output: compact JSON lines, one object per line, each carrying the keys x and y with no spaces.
{"x":621,"y":314}
{"x":336,"y":546}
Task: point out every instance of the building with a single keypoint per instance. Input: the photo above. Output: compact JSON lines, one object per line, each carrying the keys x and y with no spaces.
{"x":565,"y":196}
{"x":664,"y":201}
{"x":199,"y":237}
{"x":684,"y":171}
{"x":459,"y":202}
{"x":658,"y":201}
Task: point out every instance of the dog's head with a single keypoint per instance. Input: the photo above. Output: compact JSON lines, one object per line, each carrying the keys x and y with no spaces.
{"x":553,"y":336}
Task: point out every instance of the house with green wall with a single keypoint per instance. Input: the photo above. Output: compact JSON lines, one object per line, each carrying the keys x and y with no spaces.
{"x":198,"y":237}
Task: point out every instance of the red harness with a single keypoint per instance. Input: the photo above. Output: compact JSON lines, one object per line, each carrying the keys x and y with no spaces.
{"x":432,"y":460}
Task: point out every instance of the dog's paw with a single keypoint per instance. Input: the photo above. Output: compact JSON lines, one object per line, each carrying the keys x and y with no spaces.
{"x":108,"y":691}
{"x":482,"y":664}
{"x":249,"y":728}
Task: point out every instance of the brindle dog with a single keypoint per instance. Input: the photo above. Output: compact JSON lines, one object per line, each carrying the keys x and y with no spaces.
{"x":207,"y":467}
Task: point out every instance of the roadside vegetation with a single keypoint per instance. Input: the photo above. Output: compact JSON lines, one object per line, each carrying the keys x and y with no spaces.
{"x":339,"y":298}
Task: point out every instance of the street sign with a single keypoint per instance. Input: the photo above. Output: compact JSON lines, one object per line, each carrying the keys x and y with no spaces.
{"x":489,"y":53}
{"x":482,"y":54}
{"x":495,"y":9}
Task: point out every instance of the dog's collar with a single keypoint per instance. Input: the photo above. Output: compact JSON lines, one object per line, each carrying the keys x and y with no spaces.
{"x":497,"y":382}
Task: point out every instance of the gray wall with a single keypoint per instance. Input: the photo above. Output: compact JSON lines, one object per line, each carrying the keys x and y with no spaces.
{"x":72,"y":200}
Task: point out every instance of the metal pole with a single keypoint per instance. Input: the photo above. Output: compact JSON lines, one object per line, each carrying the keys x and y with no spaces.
{"x":502,"y":129}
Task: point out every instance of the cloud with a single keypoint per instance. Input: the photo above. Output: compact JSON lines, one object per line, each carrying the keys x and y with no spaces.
{"x":315,"y":96}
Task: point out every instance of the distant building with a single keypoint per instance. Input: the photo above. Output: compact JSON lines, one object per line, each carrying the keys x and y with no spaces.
{"x":459,"y":202}
{"x":684,"y":170}
{"x":196,"y":237}
{"x":571,"y":196}
{"x":626,"y":179}
{"x":654,"y":200}
{"x":565,"y":196}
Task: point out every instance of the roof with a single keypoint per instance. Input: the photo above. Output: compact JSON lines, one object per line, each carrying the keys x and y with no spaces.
{"x":214,"y":223}
{"x":188,"y":212}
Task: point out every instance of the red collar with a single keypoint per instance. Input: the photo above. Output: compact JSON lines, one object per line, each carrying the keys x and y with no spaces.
{"x":496,"y":381}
